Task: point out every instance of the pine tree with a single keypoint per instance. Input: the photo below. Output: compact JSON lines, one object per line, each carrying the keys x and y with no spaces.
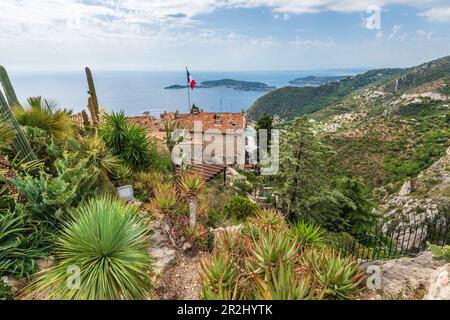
{"x":302,"y":172}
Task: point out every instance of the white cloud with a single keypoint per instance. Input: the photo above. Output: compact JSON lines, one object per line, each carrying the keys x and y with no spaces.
{"x":437,"y":14}
{"x":133,"y":31}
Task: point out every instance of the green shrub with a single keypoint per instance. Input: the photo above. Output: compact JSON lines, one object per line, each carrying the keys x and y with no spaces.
{"x":107,"y":241}
{"x":239,"y":208}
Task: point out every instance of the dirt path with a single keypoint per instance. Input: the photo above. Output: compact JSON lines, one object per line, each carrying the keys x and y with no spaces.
{"x":180,"y":281}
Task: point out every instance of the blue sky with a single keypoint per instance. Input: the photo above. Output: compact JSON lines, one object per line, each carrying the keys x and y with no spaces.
{"x":220,"y":35}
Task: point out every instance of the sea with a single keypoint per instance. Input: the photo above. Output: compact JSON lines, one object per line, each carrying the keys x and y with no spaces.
{"x":143,"y":91}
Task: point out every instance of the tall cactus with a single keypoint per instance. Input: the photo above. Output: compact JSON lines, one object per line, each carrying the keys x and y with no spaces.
{"x":93,"y":101}
{"x":20,"y":143}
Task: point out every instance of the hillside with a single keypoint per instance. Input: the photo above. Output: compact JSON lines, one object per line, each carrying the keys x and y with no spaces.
{"x":288,"y":102}
{"x":390,"y":132}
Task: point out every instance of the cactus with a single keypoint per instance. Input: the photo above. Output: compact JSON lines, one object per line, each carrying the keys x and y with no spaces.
{"x":92,"y":101}
{"x":20,"y":143}
{"x":86,"y":122}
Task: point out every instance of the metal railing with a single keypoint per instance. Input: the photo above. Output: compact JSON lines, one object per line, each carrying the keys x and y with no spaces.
{"x":389,"y":240}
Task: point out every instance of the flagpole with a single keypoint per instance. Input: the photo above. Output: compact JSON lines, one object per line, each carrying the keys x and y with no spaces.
{"x":189,"y":94}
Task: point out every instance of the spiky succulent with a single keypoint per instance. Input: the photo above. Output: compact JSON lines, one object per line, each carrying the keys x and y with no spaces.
{"x":165,"y":198}
{"x":307,"y":234}
{"x":191,"y":184}
{"x":220,"y":277}
{"x":339,"y":276}
{"x":101,"y":255}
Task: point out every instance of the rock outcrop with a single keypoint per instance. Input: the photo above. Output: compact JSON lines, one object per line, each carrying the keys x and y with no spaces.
{"x":440,"y":284}
{"x":407,"y":278}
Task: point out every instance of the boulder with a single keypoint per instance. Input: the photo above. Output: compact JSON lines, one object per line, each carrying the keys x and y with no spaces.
{"x":406,"y":278}
{"x":405,"y":189}
{"x":439,"y":288}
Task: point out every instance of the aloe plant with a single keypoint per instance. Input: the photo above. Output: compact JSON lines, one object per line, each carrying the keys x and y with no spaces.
{"x":338,"y":276}
{"x":307,"y":234}
{"x":272,"y":249}
{"x":220,"y":278}
{"x":165,"y":198}
{"x":285,"y":284}
{"x":191,"y":184}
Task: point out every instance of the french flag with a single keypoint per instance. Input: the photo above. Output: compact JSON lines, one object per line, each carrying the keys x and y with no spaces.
{"x":191,"y":81}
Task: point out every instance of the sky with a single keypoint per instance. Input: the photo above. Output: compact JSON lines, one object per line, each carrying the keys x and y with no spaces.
{"x":239,"y":35}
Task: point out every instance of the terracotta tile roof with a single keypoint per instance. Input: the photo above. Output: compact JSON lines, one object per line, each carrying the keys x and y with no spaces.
{"x":210,"y":120}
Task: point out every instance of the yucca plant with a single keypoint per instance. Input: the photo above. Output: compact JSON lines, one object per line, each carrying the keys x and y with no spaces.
{"x":307,"y":234}
{"x":138,"y":149}
{"x":114,"y":131}
{"x":106,"y":241}
{"x":339,"y":276}
{"x":219,"y":276}
{"x":128,"y":141}
{"x":165,"y":198}
{"x":191,"y":184}
{"x":45,"y":115}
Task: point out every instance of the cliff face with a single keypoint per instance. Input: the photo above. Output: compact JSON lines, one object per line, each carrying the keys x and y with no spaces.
{"x":425,"y":197}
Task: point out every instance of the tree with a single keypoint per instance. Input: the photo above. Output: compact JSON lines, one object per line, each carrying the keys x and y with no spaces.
{"x":302,"y":172}
{"x":265,"y":122}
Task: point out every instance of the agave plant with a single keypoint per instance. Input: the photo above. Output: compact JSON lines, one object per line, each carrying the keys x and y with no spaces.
{"x":219,"y":276}
{"x":307,"y":234}
{"x":45,"y":115}
{"x":339,"y":276}
{"x":103,"y":249}
{"x":165,"y":198}
{"x":191,"y":184}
